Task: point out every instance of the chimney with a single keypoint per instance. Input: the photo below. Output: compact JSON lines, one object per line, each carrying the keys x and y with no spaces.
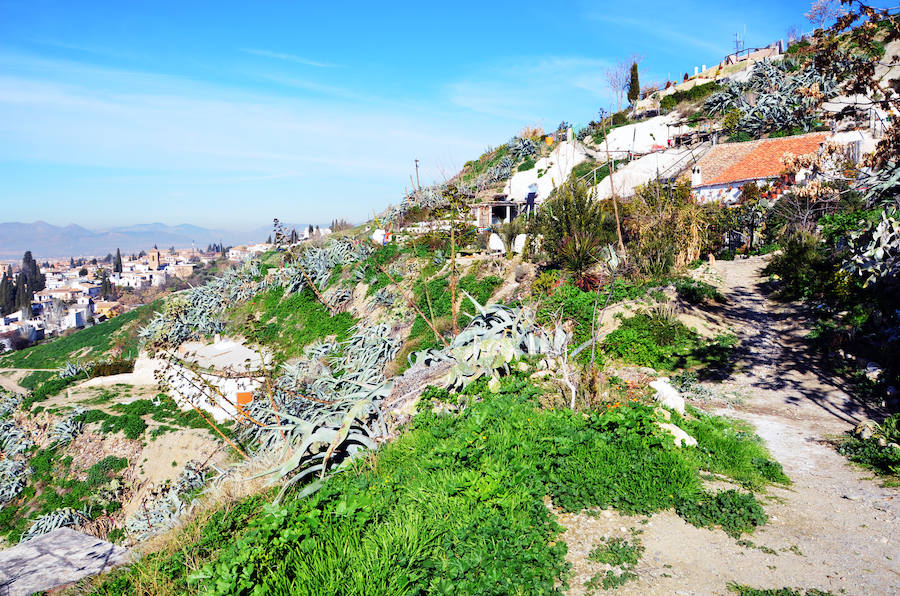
{"x":696,"y":71}
{"x":696,"y":177}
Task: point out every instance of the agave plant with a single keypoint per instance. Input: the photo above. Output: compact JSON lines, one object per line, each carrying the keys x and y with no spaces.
{"x":64,"y":431}
{"x":14,"y":440}
{"x":495,"y":337}
{"x":165,"y":510}
{"x":61,"y":518}
{"x":72,"y":369}
{"x":13,"y":478}
{"x":520,"y":148}
{"x":384,"y":297}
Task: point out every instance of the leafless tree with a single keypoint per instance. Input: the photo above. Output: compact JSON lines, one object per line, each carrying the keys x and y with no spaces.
{"x":618,"y":76}
{"x":823,"y":11}
{"x":793,"y":34}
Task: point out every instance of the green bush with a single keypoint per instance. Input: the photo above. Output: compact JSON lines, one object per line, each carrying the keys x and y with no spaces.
{"x":526,"y":165}
{"x":650,"y":340}
{"x":696,"y":292}
{"x":546,"y":282}
{"x":620,"y":118}
{"x":735,"y":512}
{"x":455,"y":504}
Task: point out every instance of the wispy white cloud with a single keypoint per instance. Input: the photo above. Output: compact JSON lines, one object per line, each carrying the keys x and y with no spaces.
{"x":289,"y":58}
{"x":531,"y":89}
{"x":142,"y":136}
{"x":663,"y":31}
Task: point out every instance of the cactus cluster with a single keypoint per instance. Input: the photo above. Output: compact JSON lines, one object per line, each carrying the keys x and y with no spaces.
{"x":875,"y":250}
{"x":327,"y":406}
{"x":197,"y":312}
{"x":520,"y":148}
{"x":13,"y":478}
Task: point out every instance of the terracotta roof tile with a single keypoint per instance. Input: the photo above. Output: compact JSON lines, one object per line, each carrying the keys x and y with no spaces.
{"x":754,"y":160}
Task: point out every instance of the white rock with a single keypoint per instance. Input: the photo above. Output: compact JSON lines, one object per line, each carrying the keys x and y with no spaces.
{"x":668,"y":396}
{"x":682,"y":439}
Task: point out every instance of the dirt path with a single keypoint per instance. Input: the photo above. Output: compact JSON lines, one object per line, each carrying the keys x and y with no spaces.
{"x":834,"y":528}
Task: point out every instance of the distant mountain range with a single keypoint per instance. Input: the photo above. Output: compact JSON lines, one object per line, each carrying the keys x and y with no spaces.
{"x":46,"y":241}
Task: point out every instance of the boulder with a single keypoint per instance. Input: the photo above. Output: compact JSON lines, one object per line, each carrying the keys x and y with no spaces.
{"x":682,"y":439}
{"x":668,"y":396}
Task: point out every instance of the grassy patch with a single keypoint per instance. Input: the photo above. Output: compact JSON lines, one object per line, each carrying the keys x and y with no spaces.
{"x":733,"y":511}
{"x":131,"y":422}
{"x":697,"y":292}
{"x":119,"y":333}
{"x":884,"y":460}
{"x":287,"y":324}
{"x":454,"y":505}
{"x":52,"y":486}
{"x":662,"y":342}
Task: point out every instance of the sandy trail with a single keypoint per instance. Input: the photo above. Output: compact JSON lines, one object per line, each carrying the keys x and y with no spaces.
{"x":835,"y":528}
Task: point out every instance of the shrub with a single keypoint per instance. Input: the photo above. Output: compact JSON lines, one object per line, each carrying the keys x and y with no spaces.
{"x":696,"y":292}
{"x":546,"y":282}
{"x":735,"y":512}
{"x":650,"y":339}
{"x":620,"y":118}
{"x":668,"y":228}
{"x":575,"y":226}
{"x":802,"y":267}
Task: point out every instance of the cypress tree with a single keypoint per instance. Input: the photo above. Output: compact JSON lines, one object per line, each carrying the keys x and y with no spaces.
{"x":6,"y":295}
{"x":634,"y":87}
{"x":117,"y":265}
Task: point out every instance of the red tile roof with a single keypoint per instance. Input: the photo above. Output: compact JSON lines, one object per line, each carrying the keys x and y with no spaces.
{"x":727,"y":163}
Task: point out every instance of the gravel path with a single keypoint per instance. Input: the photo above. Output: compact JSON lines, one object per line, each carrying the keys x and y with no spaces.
{"x":835,"y":528}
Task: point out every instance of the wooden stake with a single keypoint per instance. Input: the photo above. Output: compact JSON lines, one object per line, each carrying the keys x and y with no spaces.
{"x":614,"y":200}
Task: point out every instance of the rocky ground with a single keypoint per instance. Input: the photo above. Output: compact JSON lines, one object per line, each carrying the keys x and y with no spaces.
{"x":834,"y":528}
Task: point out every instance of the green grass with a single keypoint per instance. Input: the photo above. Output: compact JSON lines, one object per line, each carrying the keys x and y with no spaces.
{"x":570,"y":302}
{"x":132,"y":423}
{"x":119,"y":332}
{"x":454,"y":505}
{"x":697,"y":292}
{"x":287,"y":324}
{"x":52,"y":485}
{"x":664,"y":343}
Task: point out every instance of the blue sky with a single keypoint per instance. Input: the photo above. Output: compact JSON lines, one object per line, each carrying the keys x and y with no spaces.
{"x":227,"y":114}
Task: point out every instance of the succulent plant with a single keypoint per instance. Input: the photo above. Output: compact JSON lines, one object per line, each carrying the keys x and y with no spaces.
{"x":168,"y":506}
{"x":875,"y":250}
{"x":64,"y":431}
{"x":61,"y":518}
{"x":495,"y":337}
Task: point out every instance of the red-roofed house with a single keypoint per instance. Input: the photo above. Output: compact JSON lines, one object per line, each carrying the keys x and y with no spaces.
{"x":720,"y":174}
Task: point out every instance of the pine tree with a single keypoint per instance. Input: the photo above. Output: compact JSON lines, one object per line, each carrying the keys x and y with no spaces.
{"x":71,"y":263}
{"x":634,"y":87}
{"x":117,"y":264}
{"x":269,"y":239}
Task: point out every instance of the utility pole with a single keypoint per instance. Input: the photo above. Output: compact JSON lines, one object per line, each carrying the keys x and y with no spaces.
{"x":418,"y":186}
